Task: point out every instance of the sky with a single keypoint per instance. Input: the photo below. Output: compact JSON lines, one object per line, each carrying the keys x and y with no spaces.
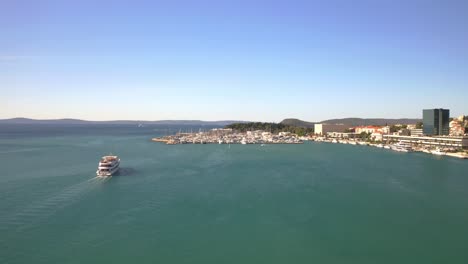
{"x":232,"y":60}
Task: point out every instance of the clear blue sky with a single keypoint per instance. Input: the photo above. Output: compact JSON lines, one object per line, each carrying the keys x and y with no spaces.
{"x":244,"y":60}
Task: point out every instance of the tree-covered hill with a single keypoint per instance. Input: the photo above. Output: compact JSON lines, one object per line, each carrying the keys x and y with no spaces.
{"x":297,"y":122}
{"x":270,"y":127}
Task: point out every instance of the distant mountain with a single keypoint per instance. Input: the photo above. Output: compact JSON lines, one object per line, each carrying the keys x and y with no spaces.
{"x":297,"y":123}
{"x":372,"y":121}
{"x":194,"y":122}
{"x":289,"y":121}
{"x":21,"y":120}
{"x":352,"y":121}
{"x":69,"y":121}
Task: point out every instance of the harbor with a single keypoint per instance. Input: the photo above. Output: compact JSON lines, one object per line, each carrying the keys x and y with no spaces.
{"x":229,"y":136}
{"x":398,"y":146}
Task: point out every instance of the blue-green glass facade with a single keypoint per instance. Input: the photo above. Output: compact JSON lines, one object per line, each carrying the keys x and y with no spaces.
{"x":436,"y":121}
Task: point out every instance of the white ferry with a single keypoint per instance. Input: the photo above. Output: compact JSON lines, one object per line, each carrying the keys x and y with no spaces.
{"x":108,"y":165}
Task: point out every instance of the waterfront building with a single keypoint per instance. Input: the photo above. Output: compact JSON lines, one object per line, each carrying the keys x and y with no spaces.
{"x":342,"y":135}
{"x":416,"y":132}
{"x":385,"y":129}
{"x":323,"y":129}
{"x":435,"y":141}
{"x":436,"y":121}
{"x":403,"y":132}
{"x":368,"y":129}
{"x":456,"y":128}
{"x":377,"y":136}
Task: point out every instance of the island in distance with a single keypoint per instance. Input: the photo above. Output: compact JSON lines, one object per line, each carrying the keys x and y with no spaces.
{"x":288,"y":121}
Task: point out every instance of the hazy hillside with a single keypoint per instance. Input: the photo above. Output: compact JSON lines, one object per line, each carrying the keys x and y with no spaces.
{"x":371,"y":121}
{"x":289,"y":122}
{"x":352,"y":121}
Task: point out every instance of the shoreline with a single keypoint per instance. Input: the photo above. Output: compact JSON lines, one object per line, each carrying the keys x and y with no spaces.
{"x":173,"y":140}
{"x":460,"y":155}
{"x":228,"y":136}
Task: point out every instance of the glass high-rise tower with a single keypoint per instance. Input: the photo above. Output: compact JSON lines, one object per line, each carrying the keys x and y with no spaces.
{"x":436,"y":121}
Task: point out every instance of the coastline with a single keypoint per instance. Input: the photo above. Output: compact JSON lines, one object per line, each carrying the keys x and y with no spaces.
{"x":227,"y":136}
{"x":460,"y":155}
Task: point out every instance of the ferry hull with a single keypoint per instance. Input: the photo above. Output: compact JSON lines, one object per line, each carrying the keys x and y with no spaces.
{"x":106,"y":174}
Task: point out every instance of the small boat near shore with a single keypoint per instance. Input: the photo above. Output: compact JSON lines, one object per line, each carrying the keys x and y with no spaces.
{"x":108,"y":165}
{"x":438,"y":152}
{"x":402,"y":147}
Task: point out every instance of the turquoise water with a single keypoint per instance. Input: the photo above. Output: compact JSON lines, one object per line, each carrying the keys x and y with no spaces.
{"x":310,"y":203}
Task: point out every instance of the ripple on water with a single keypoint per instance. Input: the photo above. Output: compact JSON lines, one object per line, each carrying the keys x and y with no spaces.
{"x":39,"y":211}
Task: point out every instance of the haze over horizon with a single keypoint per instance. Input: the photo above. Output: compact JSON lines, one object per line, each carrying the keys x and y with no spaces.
{"x":223,"y":60}
{"x":202,"y":120}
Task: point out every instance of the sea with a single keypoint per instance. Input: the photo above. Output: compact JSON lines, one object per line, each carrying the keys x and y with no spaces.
{"x":308,"y":203}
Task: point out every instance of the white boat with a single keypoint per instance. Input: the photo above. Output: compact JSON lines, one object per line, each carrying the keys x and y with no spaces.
{"x":243,"y":141}
{"x":386,"y":147}
{"x":108,"y":165}
{"x":402,"y":147}
{"x":438,"y":152}
{"x":334,"y":141}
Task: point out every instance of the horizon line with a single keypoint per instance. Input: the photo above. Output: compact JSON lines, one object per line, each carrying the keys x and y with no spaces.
{"x":199,"y":120}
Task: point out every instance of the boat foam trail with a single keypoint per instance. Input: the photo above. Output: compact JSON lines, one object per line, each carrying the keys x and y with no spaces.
{"x":43,"y":209}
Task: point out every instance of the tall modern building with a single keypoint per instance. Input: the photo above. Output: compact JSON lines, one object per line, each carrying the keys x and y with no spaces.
{"x":436,"y":121}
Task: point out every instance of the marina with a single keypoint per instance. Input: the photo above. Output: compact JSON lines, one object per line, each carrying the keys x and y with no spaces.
{"x":228,"y":136}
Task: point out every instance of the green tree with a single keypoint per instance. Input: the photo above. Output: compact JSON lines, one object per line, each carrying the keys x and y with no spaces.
{"x":273,"y":127}
{"x":364,"y":135}
{"x":419,"y":125}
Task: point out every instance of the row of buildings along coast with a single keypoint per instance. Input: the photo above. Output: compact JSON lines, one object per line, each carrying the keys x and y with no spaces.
{"x":437,"y":133}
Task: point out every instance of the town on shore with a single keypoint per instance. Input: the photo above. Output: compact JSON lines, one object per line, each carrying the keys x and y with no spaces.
{"x":437,"y":134}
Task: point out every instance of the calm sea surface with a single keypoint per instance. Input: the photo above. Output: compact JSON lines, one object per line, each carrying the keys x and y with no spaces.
{"x":310,"y":203}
